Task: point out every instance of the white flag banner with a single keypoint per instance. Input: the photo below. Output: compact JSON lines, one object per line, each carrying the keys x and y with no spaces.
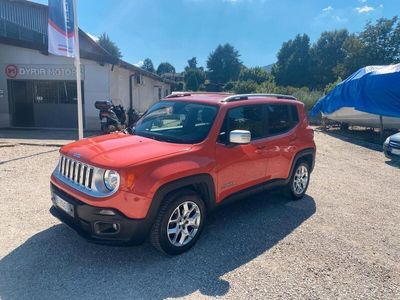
{"x":61,"y":28}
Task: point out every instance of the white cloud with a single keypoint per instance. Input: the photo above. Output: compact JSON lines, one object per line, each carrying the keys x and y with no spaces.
{"x":139,"y":63}
{"x":329,"y":8}
{"x":364,"y":9}
{"x":340,"y":19}
{"x":380,"y":5}
{"x":362,"y":1}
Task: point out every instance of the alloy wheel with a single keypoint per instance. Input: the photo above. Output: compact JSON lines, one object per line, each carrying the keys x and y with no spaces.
{"x":183,"y":223}
{"x":300,"y":180}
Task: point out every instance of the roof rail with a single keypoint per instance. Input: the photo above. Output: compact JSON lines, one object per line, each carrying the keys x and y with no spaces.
{"x":247,"y":96}
{"x":178,"y":94}
{"x":183,"y":94}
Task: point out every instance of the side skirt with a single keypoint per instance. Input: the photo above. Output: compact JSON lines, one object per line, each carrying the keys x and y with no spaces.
{"x":265,"y":186}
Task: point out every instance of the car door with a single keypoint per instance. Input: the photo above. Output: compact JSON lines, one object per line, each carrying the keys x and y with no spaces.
{"x":281,"y":144}
{"x":241,"y":166}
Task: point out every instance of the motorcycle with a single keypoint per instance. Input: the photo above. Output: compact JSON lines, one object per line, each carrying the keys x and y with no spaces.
{"x":133,"y":117}
{"x":112,"y":117}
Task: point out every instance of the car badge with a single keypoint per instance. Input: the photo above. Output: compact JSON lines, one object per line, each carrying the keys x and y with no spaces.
{"x":76,"y":155}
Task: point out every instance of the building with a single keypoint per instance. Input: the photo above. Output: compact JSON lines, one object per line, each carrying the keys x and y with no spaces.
{"x":38,"y":89}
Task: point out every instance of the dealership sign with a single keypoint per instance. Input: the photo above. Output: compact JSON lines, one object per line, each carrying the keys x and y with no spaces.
{"x":48,"y":72}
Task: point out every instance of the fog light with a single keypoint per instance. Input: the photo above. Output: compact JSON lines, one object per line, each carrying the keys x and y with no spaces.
{"x":106,"y":228}
{"x":106,"y":212}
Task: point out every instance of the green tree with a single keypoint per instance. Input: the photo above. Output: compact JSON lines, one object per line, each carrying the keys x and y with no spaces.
{"x":377,"y":44}
{"x":326,"y":54}
{"x":382,"y":41}
{"x":223,"y":65}
{"x":194,"y":77}
{"x":256,"y":74}
{"x":244,"y":87}
{"x":355,"y":57}
{"x":107,"y":44}
{"x":148,"y":65}
{"x":294,"y":62}
{"x":192,"y":63}
{"x":165,"y":67}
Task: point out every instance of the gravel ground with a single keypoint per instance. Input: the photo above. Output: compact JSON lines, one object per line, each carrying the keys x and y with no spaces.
{"x":342,"y":241}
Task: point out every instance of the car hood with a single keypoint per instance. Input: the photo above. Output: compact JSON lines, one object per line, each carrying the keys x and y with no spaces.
{"x":395,"y":137}
{"x":119,"y":150}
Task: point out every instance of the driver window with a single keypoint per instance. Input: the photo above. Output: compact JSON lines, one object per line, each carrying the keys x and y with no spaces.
{"x":248,"y":117}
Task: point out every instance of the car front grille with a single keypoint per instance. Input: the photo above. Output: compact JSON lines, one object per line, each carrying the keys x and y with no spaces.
{"x":76,"y":171}
{"x":394,"y":144}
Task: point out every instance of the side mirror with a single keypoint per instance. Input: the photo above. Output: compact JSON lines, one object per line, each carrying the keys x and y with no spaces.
{"x":240,"y":137}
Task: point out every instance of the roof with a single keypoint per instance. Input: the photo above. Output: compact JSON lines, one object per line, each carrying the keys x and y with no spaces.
{"x":31,"y":17}
{"x":221,"y":98}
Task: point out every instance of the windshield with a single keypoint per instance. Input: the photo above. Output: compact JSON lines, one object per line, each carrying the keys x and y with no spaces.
{"x":177,"y":122}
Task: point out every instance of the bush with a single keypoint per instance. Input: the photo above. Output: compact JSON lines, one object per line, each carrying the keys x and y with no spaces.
{"x":304,"y":94}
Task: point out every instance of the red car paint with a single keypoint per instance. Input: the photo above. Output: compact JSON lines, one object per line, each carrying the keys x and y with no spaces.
{"x":145,"y":164}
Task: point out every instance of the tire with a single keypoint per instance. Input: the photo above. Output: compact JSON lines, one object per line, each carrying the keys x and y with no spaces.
{"x":172,"y":216}
{"x":297,"y":187}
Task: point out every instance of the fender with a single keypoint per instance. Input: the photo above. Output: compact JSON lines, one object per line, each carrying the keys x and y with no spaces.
{"x":299,"y":155}
{"x":204,"y":184}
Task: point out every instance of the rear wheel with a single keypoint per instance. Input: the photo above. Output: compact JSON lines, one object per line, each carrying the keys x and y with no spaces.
{"x":179,"y":223}
{"x":299,"y":181}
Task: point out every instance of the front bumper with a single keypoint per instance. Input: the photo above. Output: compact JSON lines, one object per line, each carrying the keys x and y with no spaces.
{"x":387,"y":150}
{"x":91,"y":225}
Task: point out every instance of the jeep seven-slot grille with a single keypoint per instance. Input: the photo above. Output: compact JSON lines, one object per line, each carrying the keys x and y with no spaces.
{"x":76,"y":171}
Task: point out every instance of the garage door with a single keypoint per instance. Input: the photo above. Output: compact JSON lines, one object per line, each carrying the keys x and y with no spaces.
{"x":44,"y":103}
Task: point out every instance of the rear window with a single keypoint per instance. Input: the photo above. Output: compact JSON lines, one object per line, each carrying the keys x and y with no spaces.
{"x":281,"y":118}
{"x":262,"y":120}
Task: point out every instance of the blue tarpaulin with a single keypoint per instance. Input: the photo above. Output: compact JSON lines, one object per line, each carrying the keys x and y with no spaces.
{"x":373,"y":89}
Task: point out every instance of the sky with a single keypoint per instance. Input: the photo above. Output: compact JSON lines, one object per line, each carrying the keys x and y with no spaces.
{"x":176,"y":30}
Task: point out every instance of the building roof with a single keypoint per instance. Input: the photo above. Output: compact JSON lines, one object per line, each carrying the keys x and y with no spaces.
{"x":28,"y":29}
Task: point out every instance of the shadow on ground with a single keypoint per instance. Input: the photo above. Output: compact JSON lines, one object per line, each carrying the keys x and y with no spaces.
{"x":56,"y":263}
{"x":393,"y":163}
{"x":359,"y":138}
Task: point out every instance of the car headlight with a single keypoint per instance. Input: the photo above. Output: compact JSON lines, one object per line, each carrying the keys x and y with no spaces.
{"x":387,"y":140}
{"x":111,"y":180}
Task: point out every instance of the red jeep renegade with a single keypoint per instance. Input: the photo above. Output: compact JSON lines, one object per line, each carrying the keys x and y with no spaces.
{"x":188,"y":153}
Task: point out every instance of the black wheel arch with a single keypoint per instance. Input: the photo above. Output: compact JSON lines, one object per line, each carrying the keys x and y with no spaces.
{"x":203,"y":184}
{"x":307,"y":155}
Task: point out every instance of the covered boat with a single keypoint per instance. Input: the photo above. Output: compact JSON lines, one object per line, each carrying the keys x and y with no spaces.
{"x":367,"y":97}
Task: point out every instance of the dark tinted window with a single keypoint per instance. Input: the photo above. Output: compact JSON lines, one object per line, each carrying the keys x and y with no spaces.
{"x":177,"y":122}
{"x":295,"y":114}
{"x":281,"y":118}
{"x":249,"y":117}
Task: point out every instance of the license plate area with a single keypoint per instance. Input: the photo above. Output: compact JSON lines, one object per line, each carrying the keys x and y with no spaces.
{"x":63,"y":205}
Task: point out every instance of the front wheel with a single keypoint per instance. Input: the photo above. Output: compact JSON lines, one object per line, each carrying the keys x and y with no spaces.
{"x":299,"y":181}
{"x":179,"y":223}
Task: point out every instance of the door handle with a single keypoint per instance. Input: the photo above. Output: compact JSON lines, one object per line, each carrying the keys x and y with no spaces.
{"x":292,"y":138}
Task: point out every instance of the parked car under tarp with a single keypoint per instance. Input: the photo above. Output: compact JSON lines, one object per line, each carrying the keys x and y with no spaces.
{"x":367,"y":97}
